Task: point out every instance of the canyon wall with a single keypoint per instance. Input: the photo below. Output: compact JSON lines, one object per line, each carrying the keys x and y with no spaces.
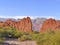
{"x":50,"y":24}
{"x":24,"y":24}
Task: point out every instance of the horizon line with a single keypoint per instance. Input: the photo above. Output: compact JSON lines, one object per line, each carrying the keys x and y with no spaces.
{"x":32,"y":17}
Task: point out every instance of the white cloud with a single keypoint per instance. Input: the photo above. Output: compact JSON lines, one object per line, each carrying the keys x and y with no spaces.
{"x":16,"y":17}
{"x":32,"y":17}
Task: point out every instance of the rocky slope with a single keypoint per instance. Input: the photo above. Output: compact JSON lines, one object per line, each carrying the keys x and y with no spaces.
{"x":36,"y":23}
{"x":50,"y":24}
{"x":24,"y":24}
{"x":27,"y":24}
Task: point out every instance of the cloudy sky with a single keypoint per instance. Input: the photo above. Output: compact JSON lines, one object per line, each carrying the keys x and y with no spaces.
{"x":31,"y":8}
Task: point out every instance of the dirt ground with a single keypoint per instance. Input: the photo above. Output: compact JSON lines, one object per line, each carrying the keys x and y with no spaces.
{"x":15,"y":42}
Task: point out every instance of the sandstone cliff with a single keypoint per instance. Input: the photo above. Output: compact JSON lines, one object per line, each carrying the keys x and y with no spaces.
{"x":24,"y":24}
{"x":50,"y":24}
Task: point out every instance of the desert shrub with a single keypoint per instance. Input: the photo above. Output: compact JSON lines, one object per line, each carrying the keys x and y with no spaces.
{"x":29,"y":36}
{"x":1,"y":40}
{"x":11,"y":32}
{"x":49,"y":38}
{"x":43,"y":38}
{"x":25,"y":38}
{"x":18,"y":34}
{"x":34,"y":36}
{"x":7,"y":32}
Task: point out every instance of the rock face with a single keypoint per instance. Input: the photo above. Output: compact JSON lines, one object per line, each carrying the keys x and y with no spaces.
{"x":1,"y":24}
{"x":50,"y":24}
{"x":24,"y":24}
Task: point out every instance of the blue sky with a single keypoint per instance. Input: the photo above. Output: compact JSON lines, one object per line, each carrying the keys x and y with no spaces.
{"x":32,"y":8}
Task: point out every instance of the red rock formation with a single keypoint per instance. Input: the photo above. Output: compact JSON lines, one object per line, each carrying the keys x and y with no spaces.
{"x":24,"y":24}
{"x":9,"y":22}
{"x":50,"y":24}
{"x":1,"y":24}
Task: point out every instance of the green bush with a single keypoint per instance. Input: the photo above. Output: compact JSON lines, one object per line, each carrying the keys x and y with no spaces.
{"x":29,"y":36}
{"x":34,"y":36}
{"x":11,"y":32}
{"x":49,"y":38}
{"x":42,"y":38}
{"x":18,"y":34}
{"x":1,"y":40}
{"x":7,"y":32}
{"x":25,"y":38}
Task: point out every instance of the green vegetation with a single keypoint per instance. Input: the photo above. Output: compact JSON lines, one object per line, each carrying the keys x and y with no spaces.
{"x":7,"y":32}
{"x":49,"y":38}
{"x":19,"y":33}
{"x":25,"y":37}
{"x":1,"y":40}
{"x":42,"y":38}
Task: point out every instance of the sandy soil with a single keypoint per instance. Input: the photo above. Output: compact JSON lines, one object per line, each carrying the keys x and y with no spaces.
{"x":15,"y":42}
